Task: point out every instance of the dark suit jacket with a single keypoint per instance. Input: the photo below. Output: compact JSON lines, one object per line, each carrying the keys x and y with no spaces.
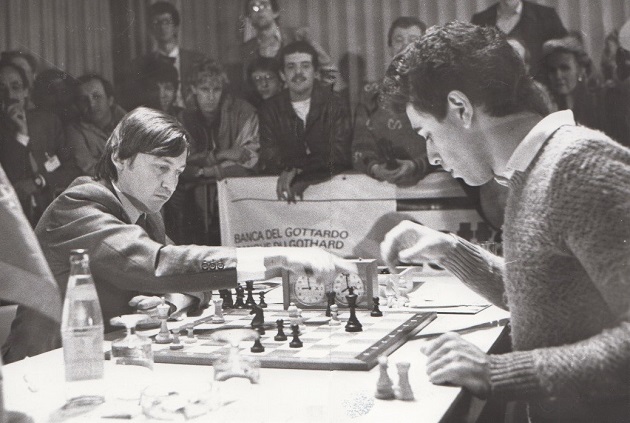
{"x":537,"y":24}
{"x":124,"y":258}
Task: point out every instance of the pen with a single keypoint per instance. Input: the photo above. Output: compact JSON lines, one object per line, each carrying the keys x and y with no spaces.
{"x":494,"y":323}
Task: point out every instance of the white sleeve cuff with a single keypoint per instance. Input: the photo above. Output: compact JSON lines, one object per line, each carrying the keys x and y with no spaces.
{"x":250,"y":264}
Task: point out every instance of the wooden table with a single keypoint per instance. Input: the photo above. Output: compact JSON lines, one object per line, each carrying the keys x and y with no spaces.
{"x":282,"y":395}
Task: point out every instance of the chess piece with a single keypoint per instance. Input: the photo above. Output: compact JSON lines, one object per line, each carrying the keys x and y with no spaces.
{"x":403,"y":390}
{"x":190,"y":336}
{"x":281,"y":336}
{"x":262,"y":302}
{"x":226,"y":294}
{"x":376,"y":312}
{"x":164,"y":336}
{"x":257,"y":347}
{"x":330,"y":301}
{"x":240,"y":294}
{"x":176,"y":344}
{"x":295,"y":342}
{"x":334,"y":316}
{"x":384,"y":385}
{"x":353,"y":324}
{"x":217,"y":317}
{"x":258,"y":321}
{"x":249,"y":302}
{"x":293,"y":310}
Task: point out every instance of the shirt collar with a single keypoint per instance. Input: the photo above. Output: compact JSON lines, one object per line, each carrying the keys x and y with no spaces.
{"x":133,"y":213}
{"x":173,"y":53}
{"x":529,"y":147}
{"x":508,"y":12}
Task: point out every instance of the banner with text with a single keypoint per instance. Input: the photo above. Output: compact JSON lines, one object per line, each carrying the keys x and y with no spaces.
{"x":336,"y":215}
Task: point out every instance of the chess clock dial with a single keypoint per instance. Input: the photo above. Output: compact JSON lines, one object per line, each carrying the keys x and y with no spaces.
{"x":341,"y":284}
{"x":311,"y":292}
{"x":308,"y":291}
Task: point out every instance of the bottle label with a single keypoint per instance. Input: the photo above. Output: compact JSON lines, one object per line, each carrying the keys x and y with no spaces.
{"x":83,"y":353}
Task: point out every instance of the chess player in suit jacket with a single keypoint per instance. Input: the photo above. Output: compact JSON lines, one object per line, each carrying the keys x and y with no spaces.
{"x":116,"y":217}
{"x":536,"y":24}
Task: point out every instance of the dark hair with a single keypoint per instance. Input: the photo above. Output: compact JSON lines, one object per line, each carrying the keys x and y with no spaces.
{"x":12,"y":54}
{"x":269,"y":64}
{"x":162,"y":7}
{"x":107,"y":86}
{"x":209,"y":68}
{"x":142,"y":130}
{"x":569,"y":44}
{"x":274,"y":6}
{"x":299,"y":47}
{"x":404,"y":22}
{"x":19,"y":70}
{"x":158,"y":70}
{"x":475,"y":60}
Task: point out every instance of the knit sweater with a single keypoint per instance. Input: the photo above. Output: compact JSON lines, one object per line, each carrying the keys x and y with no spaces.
{"x":565,"y":279}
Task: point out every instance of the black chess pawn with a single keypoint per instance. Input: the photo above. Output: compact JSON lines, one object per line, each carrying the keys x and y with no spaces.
{"x":353,"y":324}
{"x":240,"y":294}
{"x":262,"y":303}
{"x":281,"y":336}
{"x":249,"y":302}
{"x":376,"y":312}
{"x":226,"y":294}
{"x":330,"y":301}
{"x":258,"y":346}
{"x":295,"y":342}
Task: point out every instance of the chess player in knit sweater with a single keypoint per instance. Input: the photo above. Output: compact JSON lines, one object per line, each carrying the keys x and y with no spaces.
{"x":565,"y":275}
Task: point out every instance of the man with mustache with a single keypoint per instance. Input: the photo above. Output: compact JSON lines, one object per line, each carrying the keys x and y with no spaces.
{"x":305,"y":130}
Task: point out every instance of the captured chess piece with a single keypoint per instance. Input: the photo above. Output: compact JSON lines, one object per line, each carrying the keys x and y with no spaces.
{"x":240,"y":294}
{"x":226,"y":294}
{"x":164,"y":336}
{"x":249,"y":302}
{"x":176,"y":344}
{"x":330,"y":297}
{"x":334,"y":316}
{"x":353,"y":324}
{"x":295,"y":342}
{"x":281,"y":336}
{"x":190,"y":336}
{"x":403,"y":390}
{"x":384,"y":385}
{"x":376,"y":311}
{"x":217,"y":317}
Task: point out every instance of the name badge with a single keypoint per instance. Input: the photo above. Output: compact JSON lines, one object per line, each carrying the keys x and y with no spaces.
{"x":52,"y":163}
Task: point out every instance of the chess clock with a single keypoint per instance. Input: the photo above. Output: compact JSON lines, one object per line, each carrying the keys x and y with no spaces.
{"x":308,"y":292}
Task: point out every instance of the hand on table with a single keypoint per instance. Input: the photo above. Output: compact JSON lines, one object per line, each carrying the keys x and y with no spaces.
{"x":397,"y":176}
{"x":414,"y":243}
{"x":455,"y":361}
{"x":146,"y":305}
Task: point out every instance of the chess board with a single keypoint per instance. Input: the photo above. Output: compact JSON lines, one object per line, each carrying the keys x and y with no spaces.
{"x":325,"y":347}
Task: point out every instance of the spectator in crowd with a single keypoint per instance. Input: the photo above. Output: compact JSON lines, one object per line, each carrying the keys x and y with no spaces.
{"x":617,"y":91}
{"x":32,"y":146}
{"x":263,"y":74}
{"x":160,"y":84}
{"x":532,"y":23}
{"x":164,"y":20}
{"x":54,"y":92}
{"x":270,"y":37}
{"x":116,"y":216}
{"x":305,"y":130}
{"x":384,"y":146}
{"x":609,"y":58}
{"x":564,"y":71}
{"x":99,"y":115}
{"x":224,"y":143}
{"x":566,"y":251}
{"x":27,"y":62}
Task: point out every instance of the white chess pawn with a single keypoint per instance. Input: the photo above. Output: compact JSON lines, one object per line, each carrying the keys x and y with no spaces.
{"x":334,"y":316}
